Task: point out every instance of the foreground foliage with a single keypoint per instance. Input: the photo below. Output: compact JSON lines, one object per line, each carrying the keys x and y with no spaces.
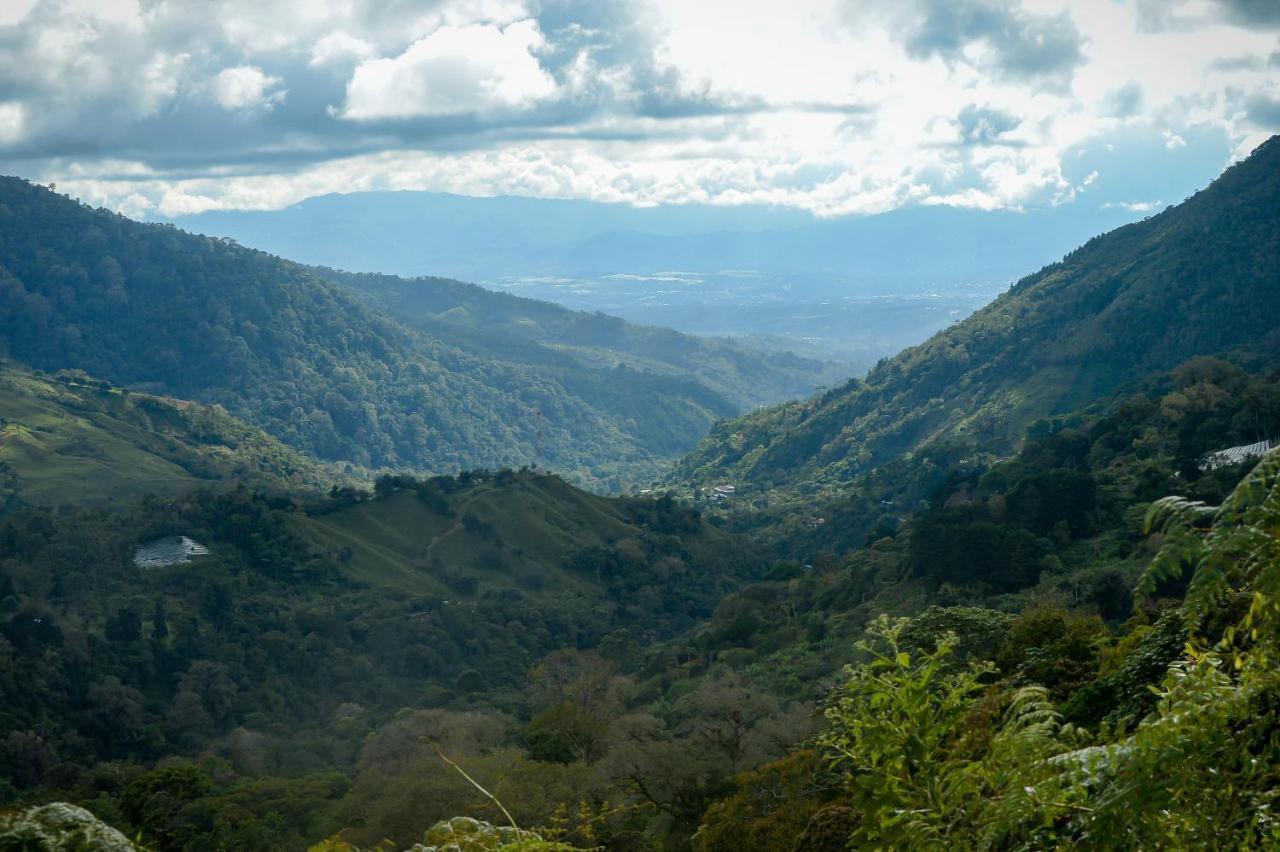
{"x":923,"y":762}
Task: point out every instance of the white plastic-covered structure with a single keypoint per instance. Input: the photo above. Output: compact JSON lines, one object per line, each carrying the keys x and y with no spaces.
{"x":1235,"y":455}
{"x":163,"y":552}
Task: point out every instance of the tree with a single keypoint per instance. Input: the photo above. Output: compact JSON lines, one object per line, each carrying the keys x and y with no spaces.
{"x":159,"y":622}
{"x":891,"y":728}
{"x":739,"y":723}
{"x":115,"y":715}
{"x":580,"y":696}
{"x":125,"y":626}
{"x":769,"y":808}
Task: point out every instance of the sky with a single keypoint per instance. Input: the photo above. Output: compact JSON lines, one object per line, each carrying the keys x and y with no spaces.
{"x":161,"y":108}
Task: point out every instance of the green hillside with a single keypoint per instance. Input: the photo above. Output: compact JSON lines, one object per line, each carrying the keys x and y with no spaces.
{"x":1198,"y":279}
{"x":71,"y":439}
{"x":319,"y":367}
{"x":575,"y":342}
{"x":521,"y":531}
{"x":309,"y":610}
{"x":625,"y":674}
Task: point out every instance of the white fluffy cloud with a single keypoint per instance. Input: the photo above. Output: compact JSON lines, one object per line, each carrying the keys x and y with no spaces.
{"x":475,"y":68}
{"x":834,"y":106}
{"x":245,"y":87}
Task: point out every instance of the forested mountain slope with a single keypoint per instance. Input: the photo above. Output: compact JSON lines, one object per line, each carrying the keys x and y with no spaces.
{"x":153,"y":308}
{"x":573,"y":342}
{"x":1200,"y":278}
{"x":71,"y":439}
{"x":306,"y":628}
{"x":623,"y":674}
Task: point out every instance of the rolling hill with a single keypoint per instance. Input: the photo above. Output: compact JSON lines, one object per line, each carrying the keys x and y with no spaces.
{"x":152,"y":308}
{"x":70,"y":439}
{"x":481,"y":533}
{"x":1199,"y":279}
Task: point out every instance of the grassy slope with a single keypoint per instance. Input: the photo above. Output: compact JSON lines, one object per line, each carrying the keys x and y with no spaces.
{"x":398,"y":542}
{"x":76,"y":441}
{"x":1197,"y":279}
{"x":537,"y":523}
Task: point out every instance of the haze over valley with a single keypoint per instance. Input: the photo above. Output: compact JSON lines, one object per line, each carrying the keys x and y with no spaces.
{"x":852,"y":289}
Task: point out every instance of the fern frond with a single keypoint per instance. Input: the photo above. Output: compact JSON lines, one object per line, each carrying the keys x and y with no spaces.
{"x":1175,"y":511}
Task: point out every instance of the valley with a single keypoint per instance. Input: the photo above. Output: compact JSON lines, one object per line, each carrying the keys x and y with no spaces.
{"x":150,"y":308}
{"x":464,"y":570}
{"x":758,"y":274}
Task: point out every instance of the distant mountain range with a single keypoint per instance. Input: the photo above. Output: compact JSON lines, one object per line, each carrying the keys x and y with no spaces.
{"x":1199,"y":279}
{"x":499,"y":239}
{"x":326,"y":369}
{"x":851,"y":288}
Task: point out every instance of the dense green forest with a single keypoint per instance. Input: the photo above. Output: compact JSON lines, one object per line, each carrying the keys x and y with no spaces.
{"x":619,"y":672}
{"x":1059,"y":634}
{"x":317,"y":366}
{"x":304,"y":632}
{"x":1197,"y":279}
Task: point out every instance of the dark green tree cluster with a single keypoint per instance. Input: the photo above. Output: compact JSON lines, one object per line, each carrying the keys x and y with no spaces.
{"x":269,"y":656}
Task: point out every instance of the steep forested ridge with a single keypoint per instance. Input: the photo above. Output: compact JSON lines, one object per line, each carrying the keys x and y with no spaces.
{"x":1198,"y":279}
{"x":151,"y":307}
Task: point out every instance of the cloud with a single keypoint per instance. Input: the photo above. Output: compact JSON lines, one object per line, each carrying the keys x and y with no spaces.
{"x":834,"y":106}
{"x":985,"y":126}
{"x":1158,"y":15}
{"x":1264,"y":111}
{"x":12,"y":118}
{"x":245,"y":87}
{"x":14,"y":11}
{"x":1238,"y":63}
{"x":1123,"y":102}
{"x":1133,"y":206}
{"x":340,"y":47}
{"x":1259,"y":13}
{"x":455,"y":70}
{"x":1018,"y":44}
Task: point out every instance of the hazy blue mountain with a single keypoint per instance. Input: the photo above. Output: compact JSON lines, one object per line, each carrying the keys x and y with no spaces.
{"x":850,"y":288}
{"x":501,"y":239}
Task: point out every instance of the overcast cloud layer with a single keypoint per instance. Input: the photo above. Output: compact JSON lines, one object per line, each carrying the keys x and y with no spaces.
{"x":165,"y":107}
